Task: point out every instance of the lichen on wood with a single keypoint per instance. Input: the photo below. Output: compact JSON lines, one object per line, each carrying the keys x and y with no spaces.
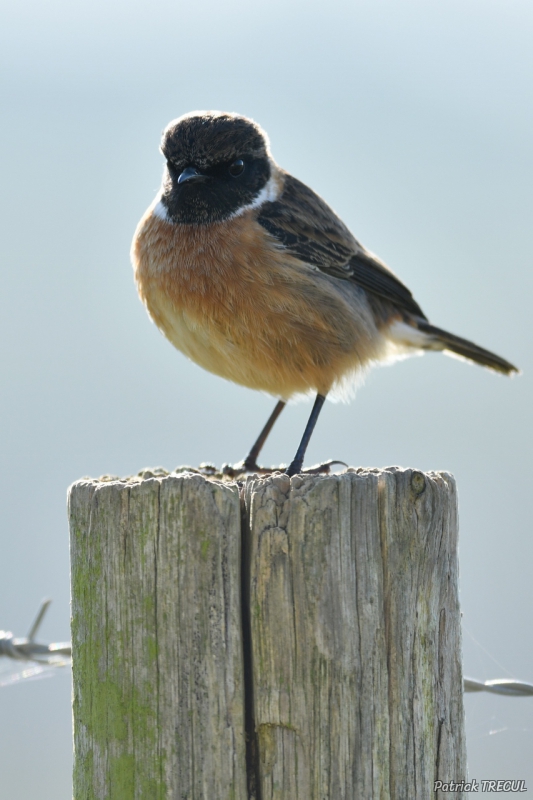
{"x":157,"y":668}
{"x":356,"y":634}
{"x":339,"y":679}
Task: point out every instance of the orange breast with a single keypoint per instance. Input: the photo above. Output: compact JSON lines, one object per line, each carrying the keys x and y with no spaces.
{"x":229,"y":298}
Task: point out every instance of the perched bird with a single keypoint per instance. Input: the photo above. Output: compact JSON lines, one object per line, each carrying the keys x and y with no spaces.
{"x":252,"y":275}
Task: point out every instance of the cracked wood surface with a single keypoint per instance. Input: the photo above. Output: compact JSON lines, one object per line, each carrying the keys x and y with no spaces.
{"x":356,"y":635}
{"x":156,"y":635}
{"x":352,"y":641}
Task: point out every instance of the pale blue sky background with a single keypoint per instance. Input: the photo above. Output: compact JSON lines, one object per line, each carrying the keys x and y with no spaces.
{"x":414,"y":120}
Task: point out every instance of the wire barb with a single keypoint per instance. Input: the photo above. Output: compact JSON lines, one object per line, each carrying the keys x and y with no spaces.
{"x":56,"y":654}
{"x":499,"y":686}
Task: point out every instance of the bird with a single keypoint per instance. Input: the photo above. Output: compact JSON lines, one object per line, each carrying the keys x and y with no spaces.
{"x":253,"y":276}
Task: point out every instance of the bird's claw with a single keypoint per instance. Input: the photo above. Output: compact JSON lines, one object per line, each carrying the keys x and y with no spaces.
{"x":323,"y":469}
{"x":243,"y":467}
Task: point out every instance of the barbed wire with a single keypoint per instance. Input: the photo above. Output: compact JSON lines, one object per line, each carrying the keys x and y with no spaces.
{"x":499,"y":686}
{"x":58,"y":654}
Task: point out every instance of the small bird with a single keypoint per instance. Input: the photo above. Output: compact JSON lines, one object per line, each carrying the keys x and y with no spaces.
{"x":253,"y":276}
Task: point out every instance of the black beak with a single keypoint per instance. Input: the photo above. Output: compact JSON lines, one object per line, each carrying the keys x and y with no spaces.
{"x":191,"y":174}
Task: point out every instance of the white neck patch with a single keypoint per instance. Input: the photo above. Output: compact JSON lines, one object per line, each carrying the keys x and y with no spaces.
{"x":268,"y":194}
{"x":159,"y":210}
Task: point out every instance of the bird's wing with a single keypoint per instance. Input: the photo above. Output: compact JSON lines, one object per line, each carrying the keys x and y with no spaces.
{"x":309,"y":229}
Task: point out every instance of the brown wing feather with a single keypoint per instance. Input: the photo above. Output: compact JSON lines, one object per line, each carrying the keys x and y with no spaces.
{"x":310,"y":230}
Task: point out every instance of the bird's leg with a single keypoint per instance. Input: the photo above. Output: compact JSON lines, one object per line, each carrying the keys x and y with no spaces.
{"x":298,"y":460}
{"x":250,"y":462}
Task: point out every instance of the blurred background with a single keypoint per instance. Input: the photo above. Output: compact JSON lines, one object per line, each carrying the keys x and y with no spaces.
{"x":413,"y":118}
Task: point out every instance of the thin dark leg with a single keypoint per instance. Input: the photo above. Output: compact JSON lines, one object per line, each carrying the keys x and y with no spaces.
{"x":250,"y":462}
{"x":298,"y":459}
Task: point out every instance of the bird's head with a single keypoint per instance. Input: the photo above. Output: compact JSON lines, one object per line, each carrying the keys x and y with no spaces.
{"x":217,"y":164}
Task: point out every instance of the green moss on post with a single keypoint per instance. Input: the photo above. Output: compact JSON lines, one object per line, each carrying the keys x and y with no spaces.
{"x":295,"y":640}
{"x":156,"y":639}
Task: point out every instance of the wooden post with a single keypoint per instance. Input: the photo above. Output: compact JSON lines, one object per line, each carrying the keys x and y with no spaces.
{"x":300,"y":641}
{"x":156,"y":631}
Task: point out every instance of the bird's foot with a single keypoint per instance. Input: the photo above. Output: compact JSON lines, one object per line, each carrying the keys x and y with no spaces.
{"x":246,"y":466}
{"x":318,"y":469}
{"x":325,"y":468}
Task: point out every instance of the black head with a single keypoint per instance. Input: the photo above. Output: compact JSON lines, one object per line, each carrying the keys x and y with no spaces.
{"x":216,"y":164}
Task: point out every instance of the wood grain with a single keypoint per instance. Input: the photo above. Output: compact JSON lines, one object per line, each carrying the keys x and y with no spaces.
{"x":356,"y":635}
{"x":157,"y":666}
{"x":344,"y":665}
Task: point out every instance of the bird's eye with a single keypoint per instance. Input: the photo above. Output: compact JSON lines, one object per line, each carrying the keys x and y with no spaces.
{"x":237,"y":168}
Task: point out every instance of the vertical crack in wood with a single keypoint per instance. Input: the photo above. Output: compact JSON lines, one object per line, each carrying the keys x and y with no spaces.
{"x":252,"y":741}
{"x":347,"y":607}
{"x":382,"y":523}
{"x":156,"y":635}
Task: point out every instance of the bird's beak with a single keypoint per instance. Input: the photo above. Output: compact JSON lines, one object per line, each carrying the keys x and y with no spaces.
{"x":191,"y":174}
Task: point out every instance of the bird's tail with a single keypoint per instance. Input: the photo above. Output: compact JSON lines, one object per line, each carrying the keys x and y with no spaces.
{"x":462,"y":347}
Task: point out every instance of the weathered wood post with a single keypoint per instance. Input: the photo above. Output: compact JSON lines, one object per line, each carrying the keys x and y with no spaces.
{"x":292,"y":639}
